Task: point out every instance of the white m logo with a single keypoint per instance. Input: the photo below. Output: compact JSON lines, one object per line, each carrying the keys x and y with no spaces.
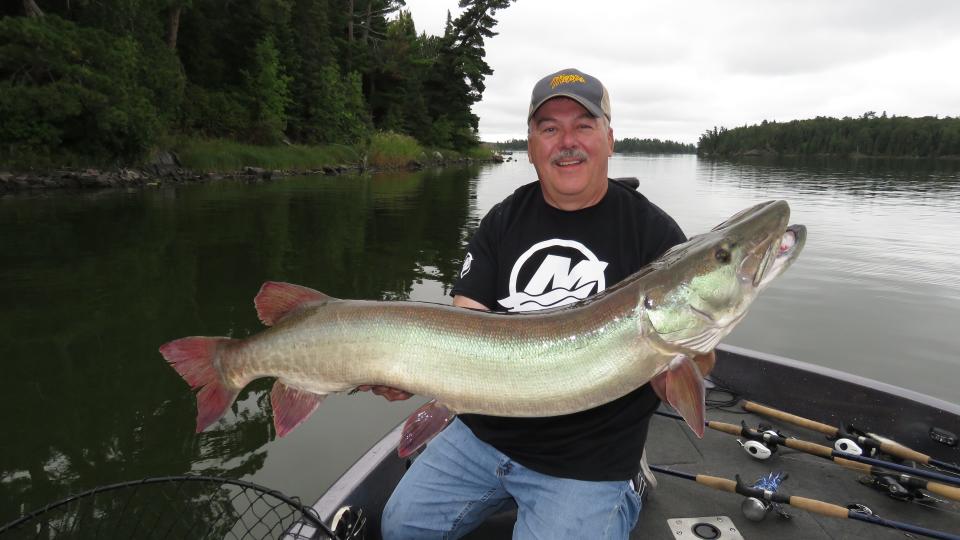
{"x":554,"y":283}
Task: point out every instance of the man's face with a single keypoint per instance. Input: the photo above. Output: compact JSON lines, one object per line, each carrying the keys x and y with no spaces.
{"x":569,"y":148}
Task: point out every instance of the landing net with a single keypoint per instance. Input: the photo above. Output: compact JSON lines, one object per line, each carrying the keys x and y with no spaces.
{"x":200,"y":507}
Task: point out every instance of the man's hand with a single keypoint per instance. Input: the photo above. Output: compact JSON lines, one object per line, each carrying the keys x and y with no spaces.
{"x":388,"y":392}
{"x":706,"y":362}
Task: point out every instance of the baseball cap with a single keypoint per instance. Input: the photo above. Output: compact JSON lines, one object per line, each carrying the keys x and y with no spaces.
{"x":574,"y":84}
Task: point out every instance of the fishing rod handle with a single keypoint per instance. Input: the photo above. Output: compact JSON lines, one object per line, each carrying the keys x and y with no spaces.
{"x":725,"y":427}
{"x":809,"y":447}
{"x":854,"y":465}
{"x":903,"y":452}
{"x":722,"y":484}
{"x":791,"y":418}
{"x":944,"y":490}
{"x":819,"y":507}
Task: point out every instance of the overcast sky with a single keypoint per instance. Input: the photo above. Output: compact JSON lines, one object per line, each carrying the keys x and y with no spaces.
{"x":675,"y":69}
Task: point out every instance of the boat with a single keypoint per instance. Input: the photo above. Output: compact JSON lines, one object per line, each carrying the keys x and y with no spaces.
{"x":680,"y":509}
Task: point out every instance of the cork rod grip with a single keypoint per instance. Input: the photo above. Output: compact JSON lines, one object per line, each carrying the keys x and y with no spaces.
{"x":819,"y":507}
{"x":717,"y":483}
{"x":791,"y":418}
{"x":904,"y":453}
{"x":854,"y":465}
{"x":809,"y":447}
{"x":725,"y":427}
{"x":944,"y":490}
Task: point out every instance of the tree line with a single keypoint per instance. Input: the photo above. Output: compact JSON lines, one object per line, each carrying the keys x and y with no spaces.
{"x":109,"y":79}
{"x":868,"y":135}
{"x":627,"y":145}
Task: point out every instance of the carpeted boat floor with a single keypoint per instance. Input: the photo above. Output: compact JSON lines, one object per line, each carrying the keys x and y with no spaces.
{"x":671,"y":444}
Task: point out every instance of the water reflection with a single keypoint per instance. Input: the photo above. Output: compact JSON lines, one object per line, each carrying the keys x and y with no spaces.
{"x":93,"y":283}
{"x":96,"y":282}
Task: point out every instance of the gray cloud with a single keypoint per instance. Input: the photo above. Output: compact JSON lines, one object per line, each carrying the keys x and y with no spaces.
{"x":676,"y":69}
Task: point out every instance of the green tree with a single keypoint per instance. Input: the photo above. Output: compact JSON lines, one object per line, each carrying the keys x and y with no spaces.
{"x":71,"y":90}
{"x":268,"y":89}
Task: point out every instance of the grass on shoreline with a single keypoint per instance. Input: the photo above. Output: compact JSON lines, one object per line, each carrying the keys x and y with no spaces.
{"x":223,"y":155}
{"x":389,"y":149}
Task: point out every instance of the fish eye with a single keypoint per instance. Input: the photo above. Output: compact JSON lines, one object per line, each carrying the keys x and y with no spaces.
{"x":648,"y":302}
{"x":722,"y":254}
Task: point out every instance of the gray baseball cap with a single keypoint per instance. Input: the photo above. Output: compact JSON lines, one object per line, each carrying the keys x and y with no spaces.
{"x":576,"y":85}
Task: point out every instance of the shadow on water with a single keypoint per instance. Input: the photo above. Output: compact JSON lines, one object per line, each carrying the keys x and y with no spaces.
{"x":93,"y":283}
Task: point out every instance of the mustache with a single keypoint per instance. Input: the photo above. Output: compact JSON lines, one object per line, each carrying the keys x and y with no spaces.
{"x":564,"y":155}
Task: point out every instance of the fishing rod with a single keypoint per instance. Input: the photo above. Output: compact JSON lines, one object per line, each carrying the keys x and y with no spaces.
{"x":810,"y":505}
{"x":885,"y":446}
{"x":908,"y":478}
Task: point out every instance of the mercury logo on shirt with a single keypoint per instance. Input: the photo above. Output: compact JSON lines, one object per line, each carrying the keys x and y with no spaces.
{"x":553,"y":273}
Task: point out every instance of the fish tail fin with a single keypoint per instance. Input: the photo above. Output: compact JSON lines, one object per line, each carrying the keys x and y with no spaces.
{"x":291,"y":406}
{"x":421,"y":426}
{"x":193,"y":358}
{"x":681,"y":385}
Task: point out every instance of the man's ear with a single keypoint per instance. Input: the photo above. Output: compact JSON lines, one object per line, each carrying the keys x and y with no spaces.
{"x":610,"y":140}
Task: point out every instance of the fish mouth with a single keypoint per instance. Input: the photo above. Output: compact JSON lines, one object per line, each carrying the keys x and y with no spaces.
{"x":771,"y":256}
{"x":782,"y":255}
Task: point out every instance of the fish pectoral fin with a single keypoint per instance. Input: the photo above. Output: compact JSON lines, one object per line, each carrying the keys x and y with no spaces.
{"x":277,"y":300}
{"x":421,"y":426}
{"x":681,"y":385}
{"x":291,"y":406}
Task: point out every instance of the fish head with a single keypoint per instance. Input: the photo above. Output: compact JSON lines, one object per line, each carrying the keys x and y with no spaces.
{"x":703,"y":287}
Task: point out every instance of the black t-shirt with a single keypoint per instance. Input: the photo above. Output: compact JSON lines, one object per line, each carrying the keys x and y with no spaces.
{"x":529,"y":255}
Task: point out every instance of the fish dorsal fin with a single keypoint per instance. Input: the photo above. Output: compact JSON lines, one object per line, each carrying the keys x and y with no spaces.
{"x":277,"y":300}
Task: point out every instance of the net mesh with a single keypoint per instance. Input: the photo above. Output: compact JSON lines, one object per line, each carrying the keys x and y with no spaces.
{"x":172,"y":507}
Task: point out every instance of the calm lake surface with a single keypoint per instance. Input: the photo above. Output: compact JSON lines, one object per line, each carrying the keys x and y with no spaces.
{"x":93,"y":282}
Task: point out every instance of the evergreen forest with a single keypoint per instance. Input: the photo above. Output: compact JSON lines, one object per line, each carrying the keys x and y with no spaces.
{"x":628,"y":145}
{"x":106,"y":81}
{"x":868,"y":135}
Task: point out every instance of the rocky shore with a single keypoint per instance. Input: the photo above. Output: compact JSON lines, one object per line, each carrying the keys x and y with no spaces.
{"x":168,"y":170}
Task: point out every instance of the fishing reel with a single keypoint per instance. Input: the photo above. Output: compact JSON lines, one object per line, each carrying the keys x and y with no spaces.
{"x":761,"y":449}
{"x":349,"y":524}
{"x":756,"y":508}
{"x":757,"y":449}
{"x":899,"y":487}
{"x":844,"y":444}
{"x":857,"y":442}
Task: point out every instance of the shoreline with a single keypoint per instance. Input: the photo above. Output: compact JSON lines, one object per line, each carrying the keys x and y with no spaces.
{"x":172,"y":173}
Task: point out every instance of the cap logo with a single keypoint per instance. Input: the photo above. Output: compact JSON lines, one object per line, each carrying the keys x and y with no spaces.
{"x":566,"y":79}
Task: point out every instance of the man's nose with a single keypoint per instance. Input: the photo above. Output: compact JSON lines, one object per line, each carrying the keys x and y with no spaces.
{"x":569,"y":138}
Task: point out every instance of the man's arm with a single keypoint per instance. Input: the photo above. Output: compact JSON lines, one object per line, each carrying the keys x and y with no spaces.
{"x":463,"y":301}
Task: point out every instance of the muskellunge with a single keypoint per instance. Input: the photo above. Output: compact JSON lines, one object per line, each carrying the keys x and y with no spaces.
{"x":542,"y":363}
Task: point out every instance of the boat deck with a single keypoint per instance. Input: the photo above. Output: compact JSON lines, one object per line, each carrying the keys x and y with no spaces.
{"x":815,"y":392}
{"x":671,"y":444}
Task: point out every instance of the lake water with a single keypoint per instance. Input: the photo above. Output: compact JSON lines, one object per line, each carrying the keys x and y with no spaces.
{"x":93,"y":282}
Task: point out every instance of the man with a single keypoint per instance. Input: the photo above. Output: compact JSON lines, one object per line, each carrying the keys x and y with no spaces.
{"x":552,"y":242}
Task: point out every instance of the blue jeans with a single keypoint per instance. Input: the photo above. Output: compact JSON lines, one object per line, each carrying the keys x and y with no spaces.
{"x":459,"y":481}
